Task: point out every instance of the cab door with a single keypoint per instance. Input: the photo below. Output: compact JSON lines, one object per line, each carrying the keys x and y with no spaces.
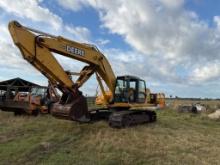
{"x":141,"y":96}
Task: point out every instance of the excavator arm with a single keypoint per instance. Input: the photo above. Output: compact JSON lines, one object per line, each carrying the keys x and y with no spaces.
{"x":38,"y":47}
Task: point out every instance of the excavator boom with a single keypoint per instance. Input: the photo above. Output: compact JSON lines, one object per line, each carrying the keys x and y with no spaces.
{"x":38,"y":48}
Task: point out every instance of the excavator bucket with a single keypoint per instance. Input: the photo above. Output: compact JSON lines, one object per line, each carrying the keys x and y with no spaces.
{"x":76,"y":110}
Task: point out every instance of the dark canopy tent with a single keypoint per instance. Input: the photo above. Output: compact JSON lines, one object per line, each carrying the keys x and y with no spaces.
{"x":9,"y":88}
{"x":17,"y":84}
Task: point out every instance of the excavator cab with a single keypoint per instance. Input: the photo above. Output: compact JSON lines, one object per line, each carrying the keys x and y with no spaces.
{"x":129,"y":89}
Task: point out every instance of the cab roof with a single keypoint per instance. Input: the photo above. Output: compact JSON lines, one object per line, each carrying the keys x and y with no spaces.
{"x":126,"y":77}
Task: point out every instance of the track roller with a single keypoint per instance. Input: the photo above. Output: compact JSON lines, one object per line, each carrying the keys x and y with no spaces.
{"x":128,"y":118}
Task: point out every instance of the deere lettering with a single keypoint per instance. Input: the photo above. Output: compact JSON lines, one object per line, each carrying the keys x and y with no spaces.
{"x":75,"y":51}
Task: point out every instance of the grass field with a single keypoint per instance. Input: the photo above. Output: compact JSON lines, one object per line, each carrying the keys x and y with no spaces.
{"x":209,"y":104}
{"x":174,"y":139}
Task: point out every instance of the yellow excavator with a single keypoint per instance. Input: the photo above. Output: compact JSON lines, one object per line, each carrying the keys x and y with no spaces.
{"x":127,"y":104}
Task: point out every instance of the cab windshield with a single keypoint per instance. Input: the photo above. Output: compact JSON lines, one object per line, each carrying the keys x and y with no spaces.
{"x":130,"y":90}
{"x":121,"y":90}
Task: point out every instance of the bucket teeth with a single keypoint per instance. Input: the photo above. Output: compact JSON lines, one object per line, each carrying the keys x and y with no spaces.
{"x":77,"y":110}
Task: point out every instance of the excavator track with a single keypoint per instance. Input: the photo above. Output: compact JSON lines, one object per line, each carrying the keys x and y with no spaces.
{"x":128,"y":118}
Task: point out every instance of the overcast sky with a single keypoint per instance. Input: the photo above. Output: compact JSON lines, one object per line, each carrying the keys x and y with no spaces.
{"x":173,"y":44}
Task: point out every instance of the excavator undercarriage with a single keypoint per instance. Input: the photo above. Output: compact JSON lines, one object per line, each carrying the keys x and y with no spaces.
{"x":129,"y":118}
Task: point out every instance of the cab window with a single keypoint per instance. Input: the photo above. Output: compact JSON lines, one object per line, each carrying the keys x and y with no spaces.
{"x":141,"y":91}
{"x":120,"y":91}
{"x":132,"y":91}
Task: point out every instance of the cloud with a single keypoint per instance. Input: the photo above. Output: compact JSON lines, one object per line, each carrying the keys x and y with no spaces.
{"x":206,"y":73}
{"x":10,"y":55}
{"x":75,"y":5}
{"x":134,"y":63}
{"x":5,"y":36}
{"x":168,"y":37}
{"x":12,"y":63}
{"x":169,"y":44}
{"x":78,"y":33}
{"x":217,"y":21}
{"x":101,"y":41}
{"x":11,"y":59}
{"x":173,"y":4}
{"x":31,"y":9}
